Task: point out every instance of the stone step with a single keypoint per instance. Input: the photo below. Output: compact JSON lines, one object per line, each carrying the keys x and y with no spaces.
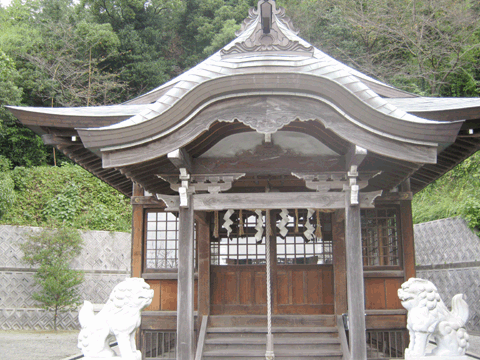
{"x":243,"y":354}
{"x":318,"y":330}
{"x":277,"y":320}
{"x":278,"y":347}
{"x":276,"y":340}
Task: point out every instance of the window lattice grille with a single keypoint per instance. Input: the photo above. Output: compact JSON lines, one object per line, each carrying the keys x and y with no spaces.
{"x":380,"y":237}
{"x":386,"y":344}
{"x":162,"y":240}
{"x":294,"y":249}
{"x":159,"y":345}
{"x":243,"y":249}
{"x":239,"y":250}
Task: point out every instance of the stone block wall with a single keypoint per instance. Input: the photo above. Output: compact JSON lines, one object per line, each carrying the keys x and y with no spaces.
{"x":105,"y":259}
{"x":447,"y":253}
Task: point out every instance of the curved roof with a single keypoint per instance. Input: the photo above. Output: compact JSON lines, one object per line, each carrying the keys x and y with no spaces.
{"x":255,"y":64}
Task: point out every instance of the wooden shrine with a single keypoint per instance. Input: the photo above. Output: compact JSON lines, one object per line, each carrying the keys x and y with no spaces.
{"x":269,"y":179}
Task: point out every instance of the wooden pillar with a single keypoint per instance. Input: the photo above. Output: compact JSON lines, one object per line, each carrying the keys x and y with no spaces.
{"x":339,"y":262}
{"x":137,"y":234}
{"x":203,"y":248}
{"x":355,"y":283}
{"x":185,"y":290}
{"x":406,"y":223}
{"x":407,"y":237}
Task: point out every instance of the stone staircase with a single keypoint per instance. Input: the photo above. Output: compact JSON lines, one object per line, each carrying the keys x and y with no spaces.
{"x":295,"y":337}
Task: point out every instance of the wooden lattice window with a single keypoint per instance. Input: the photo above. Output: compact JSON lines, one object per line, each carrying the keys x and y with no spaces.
{"x":295,"y":249}
{"x":380,"y":238}
{"x":161,"y":240}
{"x":159,"y":345}
{"x":241,"y":248}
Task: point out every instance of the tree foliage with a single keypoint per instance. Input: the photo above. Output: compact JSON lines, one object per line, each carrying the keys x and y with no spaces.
{"x":422,"y":46}
{"x":51,"y":251}
{"x":457,"y":193}
{"x":7,"y":194}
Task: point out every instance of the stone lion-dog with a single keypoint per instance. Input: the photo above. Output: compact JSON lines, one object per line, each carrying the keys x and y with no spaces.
{"x":120,"y":316}
{"x":428,"y":315}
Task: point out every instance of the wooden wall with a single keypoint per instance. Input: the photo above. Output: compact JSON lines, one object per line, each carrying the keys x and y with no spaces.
{"x":381,"y":293}
{"x":165,"y":295}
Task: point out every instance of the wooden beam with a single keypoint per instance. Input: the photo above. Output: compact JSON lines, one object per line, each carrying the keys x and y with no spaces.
{"x":137,"y":234}
{"x":49,"y":139}
{"x":355,"y":283}
{"x":268,"y":164}
{"x":145,"y":200}
{"x":181,"y":159}
{"x":185,"y":290}
{"x":395,"y":196}
{"x":272,"y":200}
{"x":355,"y":156}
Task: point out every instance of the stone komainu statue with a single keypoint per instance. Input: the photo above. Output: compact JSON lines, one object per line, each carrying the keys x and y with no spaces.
{"x":120,"y":317}
{"x":428,"y":315}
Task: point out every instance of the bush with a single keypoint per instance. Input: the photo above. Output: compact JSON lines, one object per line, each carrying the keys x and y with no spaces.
{"x":52,"y":251}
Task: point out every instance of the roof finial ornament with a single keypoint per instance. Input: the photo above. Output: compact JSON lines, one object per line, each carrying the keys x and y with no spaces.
{"x":267,"y":29}
{"x":266,"y":15}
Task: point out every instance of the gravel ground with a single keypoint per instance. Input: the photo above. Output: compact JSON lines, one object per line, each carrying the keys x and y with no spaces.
{"x":38,"y":345}
{"x":62,"y":345}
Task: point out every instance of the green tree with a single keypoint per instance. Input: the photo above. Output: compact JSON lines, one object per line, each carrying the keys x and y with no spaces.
{"x":423,"y":46}
{"x":52,"y":251}
{"x":7,"y":194}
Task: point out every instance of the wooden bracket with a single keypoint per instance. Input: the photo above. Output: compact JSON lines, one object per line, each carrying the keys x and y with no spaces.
{"x":181,"y":159}
{"x":355,"y":157}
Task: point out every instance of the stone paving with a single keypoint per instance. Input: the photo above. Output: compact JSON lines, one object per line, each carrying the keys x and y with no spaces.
{"x":38,"y":345}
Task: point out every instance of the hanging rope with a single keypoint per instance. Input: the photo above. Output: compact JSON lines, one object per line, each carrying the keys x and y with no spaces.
{"x":215,"y":227}
{"x":318,"y":230}
{"x":296,"y":221}
{"x":241,"y":230}
{"x":269,"y":354}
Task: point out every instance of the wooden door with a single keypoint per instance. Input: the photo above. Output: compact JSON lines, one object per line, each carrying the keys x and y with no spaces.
{"x":304,"y":289}
{"x":238,"y":289}
{"x":302,"y":273}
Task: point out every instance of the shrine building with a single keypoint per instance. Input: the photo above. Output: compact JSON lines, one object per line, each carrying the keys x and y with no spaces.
{"x":271,"y":188}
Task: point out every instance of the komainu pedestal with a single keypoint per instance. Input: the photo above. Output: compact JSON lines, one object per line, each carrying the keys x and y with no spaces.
{"x":120,"y":317}
{"x":428,"y":315}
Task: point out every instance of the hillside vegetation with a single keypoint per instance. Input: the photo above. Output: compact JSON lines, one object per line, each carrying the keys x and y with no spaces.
{"x":457,"y":193}
{"x":50,"y":196}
